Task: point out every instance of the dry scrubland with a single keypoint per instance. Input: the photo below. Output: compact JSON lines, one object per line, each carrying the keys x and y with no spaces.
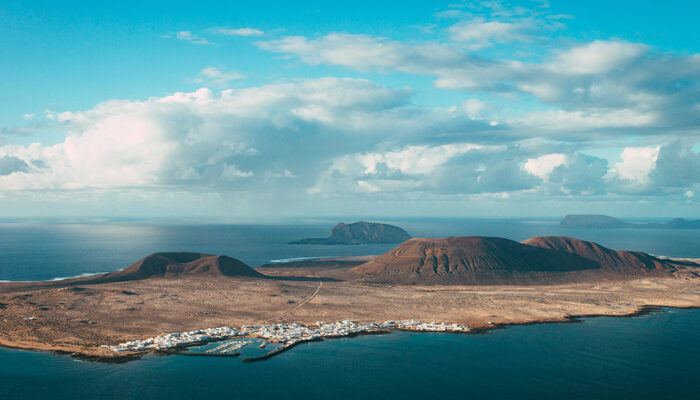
{"x":81,"y":317}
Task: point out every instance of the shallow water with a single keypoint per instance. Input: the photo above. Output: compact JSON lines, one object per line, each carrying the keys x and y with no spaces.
{"x":648,"y":357}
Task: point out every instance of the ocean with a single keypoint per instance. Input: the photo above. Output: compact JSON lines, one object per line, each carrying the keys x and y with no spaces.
{"x":35,"y":250}
{"x":647,"y":357}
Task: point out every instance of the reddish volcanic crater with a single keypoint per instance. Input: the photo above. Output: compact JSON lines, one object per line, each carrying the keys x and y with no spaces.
{"x":476,"y":259}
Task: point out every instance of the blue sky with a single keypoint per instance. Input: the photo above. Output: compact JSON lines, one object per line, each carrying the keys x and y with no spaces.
{"x":524,"y":108}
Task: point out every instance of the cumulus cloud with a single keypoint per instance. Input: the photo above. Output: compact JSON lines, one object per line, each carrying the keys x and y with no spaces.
{"x":465,"y":168}
{"x":581,"y":175}
{"x":569,"y":174}
{"x":220,"y":141}
{"x":668,"y":169}
{"x":632,"y":172}
{"x":543,"y":165}
{"x":252,"y":139}
{"x":677,"y":166}
{"x":11,"y":164}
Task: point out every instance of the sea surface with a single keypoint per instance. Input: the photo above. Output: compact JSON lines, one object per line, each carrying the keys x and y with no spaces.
{"x":35,"y":250}
{"x":652,"y":356}
{"x":655,"y":356}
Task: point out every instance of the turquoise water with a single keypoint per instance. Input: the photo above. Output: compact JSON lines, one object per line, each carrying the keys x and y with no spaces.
{"x":655,"y":356}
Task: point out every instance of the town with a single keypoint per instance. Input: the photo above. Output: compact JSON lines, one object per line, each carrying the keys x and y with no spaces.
{"x":287,"y":334}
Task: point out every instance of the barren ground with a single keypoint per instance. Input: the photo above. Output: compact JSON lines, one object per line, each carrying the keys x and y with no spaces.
{"x":80,"y":318}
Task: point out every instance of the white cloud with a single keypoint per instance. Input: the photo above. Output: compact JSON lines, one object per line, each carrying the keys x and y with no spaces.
{"x":479,"y":33}
{"x":562,"y":120}
{"x":207,"y":139}
{"x":602,"y":84}
{"x":232,"y":172}
{"x":363,"y":52}
{"x":28,"y":116}
{"x":635,"y":165}
{"x":237,"y":31}
{"x":598,"y":57}
{"x":188,"y":36}
{"x":543,"y":165}
{"x":474,"y":107}
{"x":449,"y":168}
{"x":216,"y":76}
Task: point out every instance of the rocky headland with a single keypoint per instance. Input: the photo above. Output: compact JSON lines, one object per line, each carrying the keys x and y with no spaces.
{"x":360,"y":233}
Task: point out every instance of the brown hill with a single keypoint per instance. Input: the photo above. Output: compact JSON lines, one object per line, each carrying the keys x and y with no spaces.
{"x":471,"y":259}
{"x":496,"y":260}
{"x":613,"y":261}
{"x":178,"y":264}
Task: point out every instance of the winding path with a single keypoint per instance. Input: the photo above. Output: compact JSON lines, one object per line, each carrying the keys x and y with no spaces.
{"x":301,"y":303}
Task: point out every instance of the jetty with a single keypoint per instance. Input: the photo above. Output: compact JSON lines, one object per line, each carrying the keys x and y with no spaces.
{"x":288,"y":334}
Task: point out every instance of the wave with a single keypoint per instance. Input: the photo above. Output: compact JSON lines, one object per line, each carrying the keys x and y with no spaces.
{"x":59,"y":278}
{"x":83,"y":275}
{"x":286,"y":260}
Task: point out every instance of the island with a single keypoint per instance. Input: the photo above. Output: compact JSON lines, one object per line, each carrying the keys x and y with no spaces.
{"x":360,"y":233}
{"x":181,"y":303}
{"x":605,"y":221}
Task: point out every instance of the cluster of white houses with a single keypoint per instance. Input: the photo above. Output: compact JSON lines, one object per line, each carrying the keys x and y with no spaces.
{"x":287,"y":334}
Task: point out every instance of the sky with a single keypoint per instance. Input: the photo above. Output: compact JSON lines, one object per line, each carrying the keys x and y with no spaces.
{"x":368,"y":109}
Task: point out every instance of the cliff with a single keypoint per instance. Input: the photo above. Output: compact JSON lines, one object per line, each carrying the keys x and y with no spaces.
{"x":360,"y":233}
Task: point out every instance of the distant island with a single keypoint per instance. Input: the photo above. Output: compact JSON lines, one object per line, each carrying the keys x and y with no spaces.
{"x":605,"y":221}
{"x":360,"y":233}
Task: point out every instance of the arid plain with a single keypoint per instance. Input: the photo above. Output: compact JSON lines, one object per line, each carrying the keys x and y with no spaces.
{"x":79,"y":317}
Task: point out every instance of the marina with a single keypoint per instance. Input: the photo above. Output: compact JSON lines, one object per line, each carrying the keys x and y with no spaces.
{"x":287,"y":335}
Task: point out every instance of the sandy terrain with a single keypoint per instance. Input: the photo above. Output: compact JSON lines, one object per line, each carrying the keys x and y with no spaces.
{"x":78,"y":319}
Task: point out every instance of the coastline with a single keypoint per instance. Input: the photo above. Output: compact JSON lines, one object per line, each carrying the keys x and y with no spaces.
{"x":96,"y":354}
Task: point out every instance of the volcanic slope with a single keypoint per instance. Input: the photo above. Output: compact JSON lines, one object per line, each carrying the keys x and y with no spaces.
{"x":176,"y":264}
{"x":620,"y":262}
{"x":472,"y":259}
{"x":492,"y":260}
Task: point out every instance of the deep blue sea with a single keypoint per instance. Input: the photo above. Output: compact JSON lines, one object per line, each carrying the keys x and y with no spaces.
{"x":654,"y":356}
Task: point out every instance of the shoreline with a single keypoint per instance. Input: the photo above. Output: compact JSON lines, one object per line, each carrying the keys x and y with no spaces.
{"x":100,"y":356}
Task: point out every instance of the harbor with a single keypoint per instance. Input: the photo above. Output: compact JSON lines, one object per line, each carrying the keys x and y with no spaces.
{"x":285,"y":335}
